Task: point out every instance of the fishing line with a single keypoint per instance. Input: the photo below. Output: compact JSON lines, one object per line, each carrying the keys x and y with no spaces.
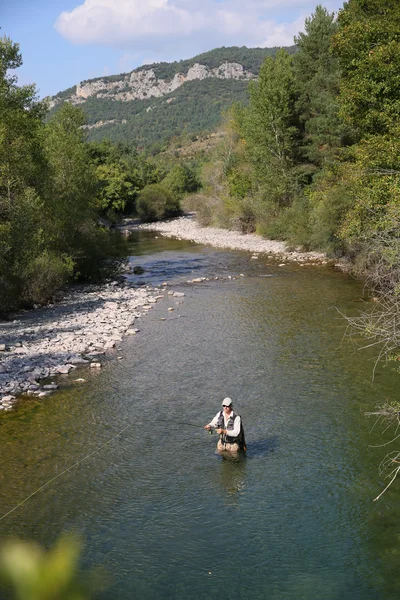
{"x":81,"y":461}
{"x":65,"y":471}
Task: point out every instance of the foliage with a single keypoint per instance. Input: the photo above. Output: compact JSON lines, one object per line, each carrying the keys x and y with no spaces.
{"x":48,"y":192}
{"x":367,"y":46}
{"x":155,"y":202}
{"x":317,"y":75}
{"x":27,"y":572}
{"x":271,"y":129}
{"x":180,"y":180}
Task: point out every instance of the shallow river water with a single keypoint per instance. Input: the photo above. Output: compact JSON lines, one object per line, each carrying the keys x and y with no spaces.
{"x":157,"y":508}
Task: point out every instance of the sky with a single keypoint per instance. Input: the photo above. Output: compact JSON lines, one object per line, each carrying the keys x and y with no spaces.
{"x":64,"y":42}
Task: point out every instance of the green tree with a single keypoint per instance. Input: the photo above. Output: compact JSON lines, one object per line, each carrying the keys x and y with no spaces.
{"x":317,"y":74}
{"x":271,"y":129}
{"x":22,"y":170}
{"x":368,"y":48}
{"x":181,"y":179}
{"x":71,"y":193}
{"x":155,"y":202}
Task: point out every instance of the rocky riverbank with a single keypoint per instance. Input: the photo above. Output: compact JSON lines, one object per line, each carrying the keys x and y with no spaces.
{"x":187,"y":228}
{"x":76,"y":332}
{"x":91,"y":321}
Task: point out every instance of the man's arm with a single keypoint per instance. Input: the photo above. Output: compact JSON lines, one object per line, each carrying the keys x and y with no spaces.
{"x":212,"y":423}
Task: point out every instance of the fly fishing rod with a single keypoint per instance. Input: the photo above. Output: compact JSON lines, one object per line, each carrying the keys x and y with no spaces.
{"x":210,"y":431}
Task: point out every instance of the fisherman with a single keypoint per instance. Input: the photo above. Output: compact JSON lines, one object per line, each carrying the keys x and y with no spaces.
{"x":230,"y":429}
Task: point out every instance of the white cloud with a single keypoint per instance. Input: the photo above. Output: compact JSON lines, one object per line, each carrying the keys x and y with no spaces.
{"x":171,"y":25}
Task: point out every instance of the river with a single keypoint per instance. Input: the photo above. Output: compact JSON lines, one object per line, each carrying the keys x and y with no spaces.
{"x":157,"y":508}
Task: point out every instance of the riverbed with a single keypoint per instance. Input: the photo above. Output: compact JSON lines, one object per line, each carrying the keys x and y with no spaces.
{"x":157,"y":508}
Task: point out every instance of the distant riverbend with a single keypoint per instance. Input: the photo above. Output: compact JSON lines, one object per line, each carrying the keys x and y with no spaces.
{"x":187,"y":228}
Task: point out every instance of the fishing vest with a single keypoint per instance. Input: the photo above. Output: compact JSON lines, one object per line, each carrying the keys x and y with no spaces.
{"x":229,"y":425}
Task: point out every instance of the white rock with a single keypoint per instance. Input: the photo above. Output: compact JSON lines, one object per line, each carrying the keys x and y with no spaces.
{"x":64,"y":369}
{"x":110,"y":344}
{"x":95,"y":365}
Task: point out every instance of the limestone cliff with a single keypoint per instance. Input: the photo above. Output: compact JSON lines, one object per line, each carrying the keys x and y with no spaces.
{"x":143,"y":84}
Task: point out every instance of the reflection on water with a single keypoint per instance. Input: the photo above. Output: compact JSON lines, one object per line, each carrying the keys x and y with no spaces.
{"x":231,"y":477}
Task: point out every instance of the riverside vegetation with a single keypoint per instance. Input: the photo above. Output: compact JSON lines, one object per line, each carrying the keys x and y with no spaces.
{"x":55,"y":189}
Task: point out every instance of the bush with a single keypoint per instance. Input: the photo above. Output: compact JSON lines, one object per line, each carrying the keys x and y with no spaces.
{"x":181,"y":180}
{"x":44,"y":275}
{"x":155,"y":202}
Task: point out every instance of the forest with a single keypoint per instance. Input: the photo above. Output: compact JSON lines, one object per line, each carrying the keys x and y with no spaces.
{"x":194,"y":108}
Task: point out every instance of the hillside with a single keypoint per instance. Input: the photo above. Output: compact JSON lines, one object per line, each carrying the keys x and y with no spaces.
{"x":153,"y":103}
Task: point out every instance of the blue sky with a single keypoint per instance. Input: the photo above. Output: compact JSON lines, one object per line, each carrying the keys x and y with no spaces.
{"x":66,"y":41}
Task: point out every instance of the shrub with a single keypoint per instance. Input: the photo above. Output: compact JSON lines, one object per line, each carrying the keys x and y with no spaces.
{"x":180,"y":180}
{"x":155,"y":202}
{"x":44,"y":275}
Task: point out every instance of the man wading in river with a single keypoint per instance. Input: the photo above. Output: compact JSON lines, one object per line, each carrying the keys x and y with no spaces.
{"x":229,"y":426}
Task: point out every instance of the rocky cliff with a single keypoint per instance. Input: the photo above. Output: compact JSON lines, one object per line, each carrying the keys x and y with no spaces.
{"x":144,"y":84}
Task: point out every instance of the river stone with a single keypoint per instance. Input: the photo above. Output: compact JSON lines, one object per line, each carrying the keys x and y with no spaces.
{"x":110,"y":344}
{"x":2,"y":347}
{"x":178,"y":294}
{"x":78,"y":360}
{"x":51,"y":386}
{"x":64,"y":369}
{"x":7,"y":399}
{"x":95,"y":365}
{"x":137,"y":270}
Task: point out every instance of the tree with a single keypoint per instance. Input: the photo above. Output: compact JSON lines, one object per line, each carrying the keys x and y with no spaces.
{"x":271,"y":129}
{"x":71,"y":190}
{"x":180,"y":180}
{"x":368,"y":48}
{"x":317,"y":76}
{"x":22,"y":167}
{"x":155,"y":202}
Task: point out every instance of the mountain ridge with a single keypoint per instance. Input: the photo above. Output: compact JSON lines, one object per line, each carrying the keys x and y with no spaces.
{"x":116,"y":106}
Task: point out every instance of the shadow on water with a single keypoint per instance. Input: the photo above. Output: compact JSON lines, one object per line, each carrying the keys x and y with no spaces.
{"x":260,"y":448}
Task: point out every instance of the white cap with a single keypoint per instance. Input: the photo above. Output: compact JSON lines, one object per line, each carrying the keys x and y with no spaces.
{"x":226,"y":402}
